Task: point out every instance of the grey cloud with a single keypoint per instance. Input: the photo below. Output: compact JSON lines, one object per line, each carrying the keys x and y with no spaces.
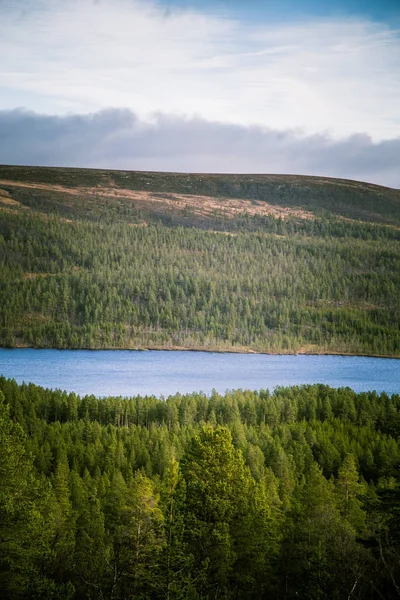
{"x":117,"y":138}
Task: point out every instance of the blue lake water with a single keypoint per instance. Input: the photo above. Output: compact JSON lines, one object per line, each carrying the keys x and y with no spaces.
{"x":127,"y":373}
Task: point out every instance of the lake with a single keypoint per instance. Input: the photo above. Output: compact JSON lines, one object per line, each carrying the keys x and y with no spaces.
{"x":128,"y":372}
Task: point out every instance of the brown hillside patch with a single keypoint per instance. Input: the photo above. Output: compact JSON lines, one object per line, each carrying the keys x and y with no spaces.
{"x":205,"y":206}
{"x":308,"y":349}
{"x":6,"y":199}
{"x":229,"y":207}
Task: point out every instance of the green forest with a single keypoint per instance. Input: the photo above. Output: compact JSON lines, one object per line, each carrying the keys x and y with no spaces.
{"x":291,"y":494}
{"x":247,"y":495}
{"x":95,"y":267}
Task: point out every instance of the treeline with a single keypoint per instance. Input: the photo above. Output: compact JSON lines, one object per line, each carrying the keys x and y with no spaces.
{"x":247,"y":495}
{"x":87,"y":284}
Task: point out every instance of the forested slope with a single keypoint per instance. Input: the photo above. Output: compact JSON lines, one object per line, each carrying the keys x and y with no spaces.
{"x":116,"y":259}
{"x":249,"y":495}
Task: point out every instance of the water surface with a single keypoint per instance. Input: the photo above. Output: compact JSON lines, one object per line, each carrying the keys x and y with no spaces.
{"x":127,"y":372}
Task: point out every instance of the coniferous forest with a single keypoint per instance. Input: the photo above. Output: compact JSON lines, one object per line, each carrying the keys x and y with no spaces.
{"x":248,"y":495}
{"x":108,"y":259}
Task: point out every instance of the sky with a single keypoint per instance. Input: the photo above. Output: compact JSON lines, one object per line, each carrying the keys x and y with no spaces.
{"x":249,"y":86}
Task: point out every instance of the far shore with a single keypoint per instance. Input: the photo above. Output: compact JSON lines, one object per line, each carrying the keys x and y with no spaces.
{"x":229,"y":350}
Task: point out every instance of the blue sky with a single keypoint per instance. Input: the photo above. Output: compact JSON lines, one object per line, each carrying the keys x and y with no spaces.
{"x":283,"y":9}
{"x":328,"y":72}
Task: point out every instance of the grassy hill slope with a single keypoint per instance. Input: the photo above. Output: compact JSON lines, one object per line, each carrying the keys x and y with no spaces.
{"x":320,"y":195}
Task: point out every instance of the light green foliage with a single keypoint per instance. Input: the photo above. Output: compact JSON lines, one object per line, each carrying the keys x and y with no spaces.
{"x":244,"y":496}
{"x":349,"y":491}
{"x":217,"y":496}
{"x":134,"y":522}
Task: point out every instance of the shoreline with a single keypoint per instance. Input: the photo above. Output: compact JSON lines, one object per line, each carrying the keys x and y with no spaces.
{"x":241,"y":350}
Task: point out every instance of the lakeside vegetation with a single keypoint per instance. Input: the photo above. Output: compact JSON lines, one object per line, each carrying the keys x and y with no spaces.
{"x":300,"y":265}
{"x":291,"y":494}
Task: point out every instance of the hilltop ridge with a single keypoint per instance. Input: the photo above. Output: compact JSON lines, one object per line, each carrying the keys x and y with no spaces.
{"x":170,"y":194}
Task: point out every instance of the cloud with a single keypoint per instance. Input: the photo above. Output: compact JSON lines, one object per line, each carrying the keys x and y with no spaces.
{"x":118,"y":138}
{"x":332,"y":75}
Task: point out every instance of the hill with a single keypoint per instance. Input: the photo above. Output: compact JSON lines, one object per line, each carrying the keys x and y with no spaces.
{"x":168,"y":194}
{"x":271,"y":263}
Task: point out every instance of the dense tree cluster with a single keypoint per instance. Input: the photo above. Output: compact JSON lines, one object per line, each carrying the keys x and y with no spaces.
{"x":313,"y":286}
{"x":290,"y":495}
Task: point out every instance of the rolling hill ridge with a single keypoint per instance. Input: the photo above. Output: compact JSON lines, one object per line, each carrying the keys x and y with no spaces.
{"x":276,"y":195}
